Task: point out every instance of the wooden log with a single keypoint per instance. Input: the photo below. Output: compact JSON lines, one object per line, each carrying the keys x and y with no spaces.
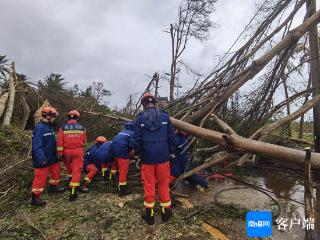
{"x":180,"y":194}
{"x":223,"y":125}
{"x":308,"y":207}
{"x":110,"y":116}
{"x":238,"y":143}
{"x":272,"y":151}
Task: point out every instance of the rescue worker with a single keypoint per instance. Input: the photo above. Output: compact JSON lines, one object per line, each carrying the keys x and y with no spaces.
{"x":71,"y":142}
{"x":44,"y":157}
{"x":91,"y":165}
{"x":120,"y":152}
{"x":103,"y":155}
{"x":179,"y":164}
{"x":154,"y":139}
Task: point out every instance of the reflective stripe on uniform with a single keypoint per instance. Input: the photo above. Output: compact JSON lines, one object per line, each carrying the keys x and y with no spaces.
{"x":37,"y":190}
{"x":123,"y":134}
{"x":73,"y":184}
{"x":148,"y":205}
{"x":72,"y":132}
{"x":69,"y":175}
{"x":60,"y":148}
{"x":166,"y":204}
{"x":113,"y":171}
{"x":48,"y":134}
{"x":103,"y":170}
{"x":122,"y":183}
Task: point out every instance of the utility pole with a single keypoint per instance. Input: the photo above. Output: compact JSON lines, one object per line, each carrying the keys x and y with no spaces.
{"x":314,"y":72}
{"x":156,"y":80}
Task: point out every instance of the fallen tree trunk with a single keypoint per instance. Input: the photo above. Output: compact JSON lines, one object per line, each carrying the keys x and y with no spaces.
{"x":241,"y":144}
{"x":110,"y":116}
{"x":236,"y":142}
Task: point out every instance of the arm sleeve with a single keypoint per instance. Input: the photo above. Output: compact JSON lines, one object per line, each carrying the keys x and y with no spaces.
{"x":171,"y":139}
{"x":136,"y":140}
{"x":37,"y":144}
{"x":60,"y":143}
{"x":130,"y":141}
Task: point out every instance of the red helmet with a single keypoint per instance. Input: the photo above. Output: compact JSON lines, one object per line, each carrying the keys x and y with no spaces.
{"x":49,"y":111}
{"x":147,"y":98}
{"x":101,"y":139}
{"x":73,"y":114}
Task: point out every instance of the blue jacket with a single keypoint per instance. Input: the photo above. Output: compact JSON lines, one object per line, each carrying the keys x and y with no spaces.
{"x":122,"y":141}
{"x":104,"y":153}
{"x":153,"y":137}
{"x":179,"y":164}
{"x":90,"y":158}
{"x":44,"y":147}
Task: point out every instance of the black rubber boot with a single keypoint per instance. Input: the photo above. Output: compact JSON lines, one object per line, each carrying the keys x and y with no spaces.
{"x":55,"y":189}
{"x":105,"y":175}
{"x":73,"y":194}
{"x":166,"y":214}
{"x":123,"y":191}
{"x":113,"y":178}
{"x":37,"y":201}
{"x":148,"y":216}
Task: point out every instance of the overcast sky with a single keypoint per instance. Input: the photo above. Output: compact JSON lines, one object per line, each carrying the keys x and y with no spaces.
{"x":114,"y":42}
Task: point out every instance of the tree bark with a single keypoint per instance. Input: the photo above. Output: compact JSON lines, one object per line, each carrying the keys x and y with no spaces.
{"x":3,"y":100}
{"x":238,"y":143}
{"x":12,"y":91}
{"x":309,"y":209}
{"x":315,"y":73}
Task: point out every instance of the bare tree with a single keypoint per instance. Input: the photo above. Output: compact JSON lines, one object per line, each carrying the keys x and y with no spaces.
{"x":193,"y":22}
{"x":12,"y":91}
{"x":314,"y":72}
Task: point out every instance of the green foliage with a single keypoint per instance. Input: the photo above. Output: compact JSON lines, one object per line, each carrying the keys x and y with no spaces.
{"x":16,"y":171}
{"x":4,"y":69}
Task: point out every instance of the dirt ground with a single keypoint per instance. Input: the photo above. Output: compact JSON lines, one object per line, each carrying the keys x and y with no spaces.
{"x":101,"y":214}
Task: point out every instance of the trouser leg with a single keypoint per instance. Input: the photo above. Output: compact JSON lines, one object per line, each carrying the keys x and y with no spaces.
{"x":163,"y":177}
{"x":149,"y":184}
